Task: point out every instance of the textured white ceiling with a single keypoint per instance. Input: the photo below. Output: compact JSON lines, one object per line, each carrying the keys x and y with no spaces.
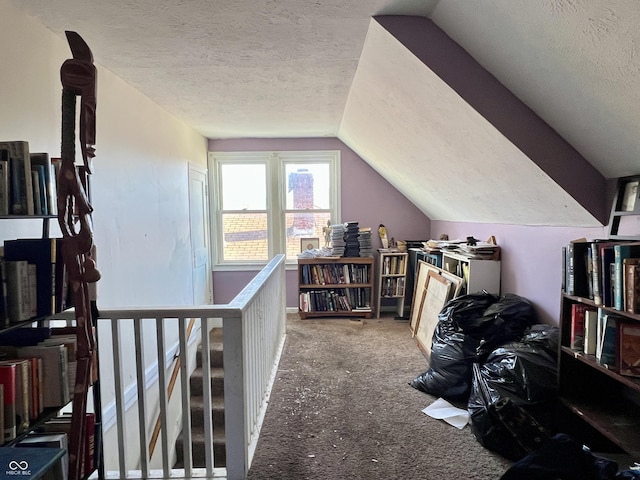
{"x":286,"y":68}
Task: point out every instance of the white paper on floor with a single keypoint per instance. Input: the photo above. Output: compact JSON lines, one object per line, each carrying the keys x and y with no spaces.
{"x":443,"y":410}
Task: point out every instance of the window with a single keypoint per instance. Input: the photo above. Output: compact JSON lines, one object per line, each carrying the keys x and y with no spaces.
{"x":265,"y":203}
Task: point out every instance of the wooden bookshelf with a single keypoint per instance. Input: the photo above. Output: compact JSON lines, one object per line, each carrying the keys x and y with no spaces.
{"x":597,"y":395}
{"x":335,"y":287}
{"x":391,"y":280}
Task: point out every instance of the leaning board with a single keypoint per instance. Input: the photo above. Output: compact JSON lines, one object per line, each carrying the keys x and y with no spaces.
{"x":436,"y":295}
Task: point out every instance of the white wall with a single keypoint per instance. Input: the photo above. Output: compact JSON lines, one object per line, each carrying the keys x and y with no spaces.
{"x":139,"y":185}
{"x":140,"y":180}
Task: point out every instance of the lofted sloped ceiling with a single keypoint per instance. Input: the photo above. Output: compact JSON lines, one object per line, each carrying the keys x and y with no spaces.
{"x":449,"y":121}
{"x":557,"y":88}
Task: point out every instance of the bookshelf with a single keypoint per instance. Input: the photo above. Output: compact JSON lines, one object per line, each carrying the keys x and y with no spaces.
{"x":598,"y":385}
{"x":602,"y":402}
{"x":335,"y":286}
{"x":392,"y":279}
{"x":478,"y":273}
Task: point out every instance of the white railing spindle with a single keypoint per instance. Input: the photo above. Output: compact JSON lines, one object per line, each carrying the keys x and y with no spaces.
{"x":253,"y":332}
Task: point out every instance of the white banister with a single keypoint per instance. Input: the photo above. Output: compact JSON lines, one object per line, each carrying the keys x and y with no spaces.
{"x":136,"y":397}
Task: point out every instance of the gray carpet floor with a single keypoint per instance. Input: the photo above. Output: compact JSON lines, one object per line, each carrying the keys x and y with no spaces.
{"x":342,"y":408}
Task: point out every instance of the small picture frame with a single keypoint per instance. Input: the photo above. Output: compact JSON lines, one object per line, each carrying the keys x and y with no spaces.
{"x":309,"y":243}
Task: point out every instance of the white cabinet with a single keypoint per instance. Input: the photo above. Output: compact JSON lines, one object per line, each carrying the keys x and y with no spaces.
{"x":478,"y":274}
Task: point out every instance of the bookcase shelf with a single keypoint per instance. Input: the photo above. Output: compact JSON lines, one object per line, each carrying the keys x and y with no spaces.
{"x":597,"y":395}
{"x":391,"y":280}
{"x":335,"y":286}
{"x":48,"y":413}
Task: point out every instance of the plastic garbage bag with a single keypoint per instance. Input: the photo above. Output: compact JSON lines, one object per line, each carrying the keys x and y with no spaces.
{"x":505,"y":321}
{"x":563,"y":458}
{"x":522,"y":374}
{"x":465,"y":324}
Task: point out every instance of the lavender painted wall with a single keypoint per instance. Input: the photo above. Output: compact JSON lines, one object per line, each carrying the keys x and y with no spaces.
{"x":366,"y":198}
{"x":531,"y":258}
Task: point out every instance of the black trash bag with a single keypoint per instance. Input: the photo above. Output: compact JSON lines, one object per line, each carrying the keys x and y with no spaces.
{"x":524,"y":375}
{"x":448,"y":376}
{"x":562,"y":458}
{"x":452,"y":351}
{"x":506,"y":320}
{"x":464,"y":313}
{"x":464,"y":324}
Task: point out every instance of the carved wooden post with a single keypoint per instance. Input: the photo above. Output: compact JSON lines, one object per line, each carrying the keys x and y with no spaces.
{"x":78,"y":76}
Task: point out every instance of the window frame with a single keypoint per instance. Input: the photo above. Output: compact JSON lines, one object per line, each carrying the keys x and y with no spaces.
{"x":276,"y":190}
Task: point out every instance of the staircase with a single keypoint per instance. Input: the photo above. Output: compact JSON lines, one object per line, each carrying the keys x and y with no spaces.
{"x":197,"y":410}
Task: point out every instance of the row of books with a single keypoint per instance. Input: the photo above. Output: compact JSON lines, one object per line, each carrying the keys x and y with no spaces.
{"x":331,"y":273}
{"x":55,"y":432}
{"x":27,"y":181}
{"x":394,"y":264}
{"x":34,"y":283}
{"x":612,"y":339}
{"x":392,"y":287}
{"x":37,"y":373}
{"x":338,"y":300}
{"x":605,"y":271}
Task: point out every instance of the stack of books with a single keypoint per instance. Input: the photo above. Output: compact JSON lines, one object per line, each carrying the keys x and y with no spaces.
{"x":364,"y":241}
{"x":352,"y":246}
{"x":337,"y":239}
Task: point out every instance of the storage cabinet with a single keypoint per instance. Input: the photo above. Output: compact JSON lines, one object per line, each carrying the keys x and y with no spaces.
{"x":335,"y":286}
{"x":478,"y":273}
{"x":392,"y":280}
{"x":602,"y":401}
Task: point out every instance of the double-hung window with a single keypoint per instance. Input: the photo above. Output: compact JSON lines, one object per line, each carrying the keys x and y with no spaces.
{"x":265,"y":203}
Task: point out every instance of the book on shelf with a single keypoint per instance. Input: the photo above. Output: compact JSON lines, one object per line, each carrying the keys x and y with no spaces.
{"x":621,"y":252}
{"x":577,"y":259}
{"x":62,"y":424}
{"x":42,"y":163}
{"x":8,"y":382}
{"x":46,"y":255}
{"x":70,"y":342}
{"x":4,"y":313}
{"x":629,"y":348}
{"x":20,"y":180}
{"x":36,"y":193}
{"x":49,"y":440}
{"x":607,"y":270}
{"x":18,"y":297}
{"x":631,"y":285}
{"x":4,"y":182}
{"x":596,"y":281}
{"x":590,"y":331}
{"x":54,"y":372}
{"x":22,"y":392}
{"x":609,"y":342}
{"x":578,"y":317}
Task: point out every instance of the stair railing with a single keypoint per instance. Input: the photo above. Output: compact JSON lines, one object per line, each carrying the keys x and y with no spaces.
{"x":138,"y":347}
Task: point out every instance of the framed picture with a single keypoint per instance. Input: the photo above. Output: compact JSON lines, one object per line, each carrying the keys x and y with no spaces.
{"x":309,"y":243}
